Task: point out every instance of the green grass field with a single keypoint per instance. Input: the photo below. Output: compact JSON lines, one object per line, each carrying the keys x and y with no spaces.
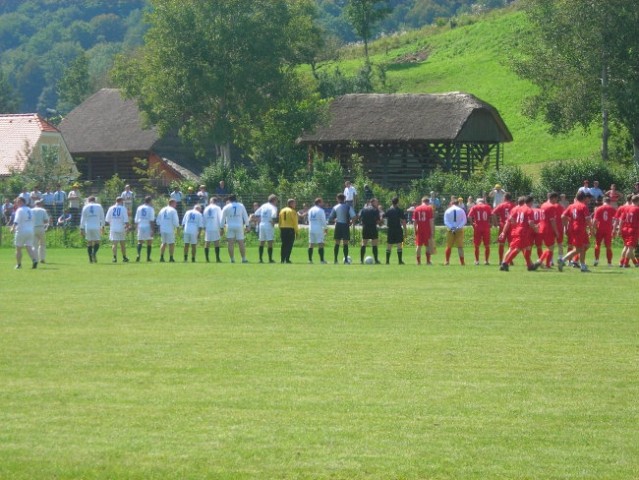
{"x":227,"y":371}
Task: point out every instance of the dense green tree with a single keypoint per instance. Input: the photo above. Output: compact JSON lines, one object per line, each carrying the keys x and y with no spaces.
{"x":8,"y":99}
{"x":212,"y":69}
{"x":74,"y":86}
{"x":364,"y":15}
{"x":584,"y":56}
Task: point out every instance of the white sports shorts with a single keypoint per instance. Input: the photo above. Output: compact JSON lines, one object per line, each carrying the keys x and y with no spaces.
{"x":236,"y":233}
{"x":190,"y":238}
{"x":212,"y":235}
{"x":117,"y":236}
{"x":92,"y":235}
{"x":315,"y":237}
{"x":145,"y":232}
{"x":267,"y":232}
{"x":23,"y":239}
{"x":168,"y":237}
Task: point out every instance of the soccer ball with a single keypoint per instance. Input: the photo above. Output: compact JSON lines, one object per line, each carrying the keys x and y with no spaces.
{"x":348,"y":260}
{"x":369,"y":260}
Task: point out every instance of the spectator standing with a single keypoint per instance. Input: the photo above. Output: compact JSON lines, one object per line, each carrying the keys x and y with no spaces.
{"x":350,"y":194}
{"x":91,"y":225}
{"x":176,"y":195}
{"x":203,"y":196}
{"x":128,"y":196}
{"x":221,"y":191}
{"x":74,"y":199}
{"x":585,"y":188}
{"x":595,"y":191}
{"x":47,"y":201}
{"x":368,"y":193}
{"x":7,"y":211}
{"x":59,"y":199}
{"x":34,"y":196}
{"x":435,"y":202}
{"x":497,"y":195}
{"x":614,"y":195}
{"x":191,"y":198}
{"x":26,"y":196}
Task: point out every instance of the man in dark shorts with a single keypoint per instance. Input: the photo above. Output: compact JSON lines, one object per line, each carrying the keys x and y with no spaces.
{"x":370,"y":218}
{"x":343,"y":214}
{"x":396,"y":223}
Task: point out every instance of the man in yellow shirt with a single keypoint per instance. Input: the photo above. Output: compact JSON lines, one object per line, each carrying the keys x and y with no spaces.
{"x":288,"y":229}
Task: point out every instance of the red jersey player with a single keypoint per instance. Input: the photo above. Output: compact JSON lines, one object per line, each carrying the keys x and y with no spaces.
{"x":480,"y":216}
{"x":520,"y":224}
{"x":629,"y":228}
{"x":577,"y":217}
{"x":424,"y":221}
{"x":501,"y":214}
{"x":603,"y":222}
{"x":550,"y":226}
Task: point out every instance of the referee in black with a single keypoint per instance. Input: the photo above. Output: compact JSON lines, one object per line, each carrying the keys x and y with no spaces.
{"x":343,"y":214}
{"x":370,"y":218}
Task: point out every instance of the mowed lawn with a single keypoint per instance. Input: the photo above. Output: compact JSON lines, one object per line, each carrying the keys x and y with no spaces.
{"x":255,"y":371}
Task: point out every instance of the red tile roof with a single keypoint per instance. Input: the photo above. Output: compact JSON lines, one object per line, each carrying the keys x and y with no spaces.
{"x":19,"y":132}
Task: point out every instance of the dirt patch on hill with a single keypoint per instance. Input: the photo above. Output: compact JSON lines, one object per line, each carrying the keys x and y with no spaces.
{"x":413,"y":57}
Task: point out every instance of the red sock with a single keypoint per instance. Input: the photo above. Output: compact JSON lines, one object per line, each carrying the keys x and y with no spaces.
{"x":447,"y":255}
{"x":549,"y":258}
{"x":609,"y":254}
{"x":501,"y":252}
{"x":487,"y":254}
{"x":510,"y":256}
{"x":461,"y":260}
{"x":477,"y":253}
{"x":597,"y":252}
{"x":419,"y":260}
{"x":527,"y":254}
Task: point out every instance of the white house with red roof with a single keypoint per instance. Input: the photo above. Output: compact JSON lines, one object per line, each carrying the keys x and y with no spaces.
{"x":27,"y":136}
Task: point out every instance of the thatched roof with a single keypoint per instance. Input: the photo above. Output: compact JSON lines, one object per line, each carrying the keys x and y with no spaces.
{"x":447,"y":117}
{"x":106,"y":122}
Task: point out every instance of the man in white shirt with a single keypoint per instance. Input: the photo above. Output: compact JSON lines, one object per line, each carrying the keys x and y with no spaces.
{"x":455,"y":220}
{"x":117,"y":217}
{"x":59,"y":199}
{"x":212,"y":228}
{"x":350,"y":193}
{"x":236,"y":219}
{"x":127,"y":197}
{"x":91,"y":224}
{"x":23,"y":229}
{"x":176,"y":195}
{"x":497,"y":194}
{"x":144,"y":219}
{"x":203,"y":196}
{"x":316,"y":229}
{"x":192,"y":222}
{"x":74,"y":204}
{"x":595,"y":191}
{"x":585,"y":188}
{"x":267,"y":215}
{"x":40,"y":225}
{"x":168,"y":220}
{"x":34,"y":196}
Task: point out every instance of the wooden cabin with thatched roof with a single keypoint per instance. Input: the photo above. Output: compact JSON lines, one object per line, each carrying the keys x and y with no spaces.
{"x":105,"y":135}
{"x":402,"y":137}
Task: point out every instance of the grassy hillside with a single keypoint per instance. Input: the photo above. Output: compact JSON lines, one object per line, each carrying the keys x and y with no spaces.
{"x":474,"y":59}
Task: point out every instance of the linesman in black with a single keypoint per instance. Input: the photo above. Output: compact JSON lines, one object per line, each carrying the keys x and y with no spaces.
{"x":396,"y":223}
{"x":343,"y":214}
{"x":370,"y":218}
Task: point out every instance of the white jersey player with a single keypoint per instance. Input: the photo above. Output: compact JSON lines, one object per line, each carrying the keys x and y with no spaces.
{"x":91,"y":224}
{"x":144,"y":219}
{"x":192,"y":222}
{"x":168,"y":220}
{"x":40,"y":225}
{"x":117,"y":217}
{"x":236,"y":219}
{"x":316,"y":229}
{"x":23,"y":229}
{"x":267,"y":215}
{"x":212,"y":228}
